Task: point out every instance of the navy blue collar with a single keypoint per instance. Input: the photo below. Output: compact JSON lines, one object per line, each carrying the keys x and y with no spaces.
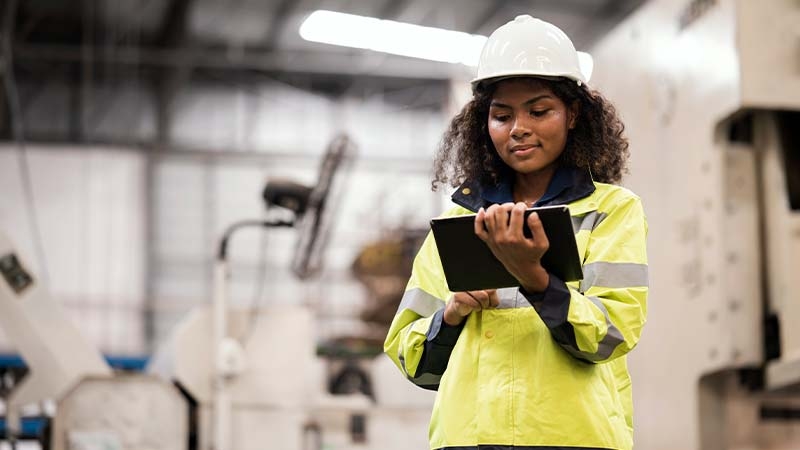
{"x":568,"y":184}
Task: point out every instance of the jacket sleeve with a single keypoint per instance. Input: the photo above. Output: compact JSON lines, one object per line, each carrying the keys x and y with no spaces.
{"x":603,"y":318}
{"x":419,"y":342}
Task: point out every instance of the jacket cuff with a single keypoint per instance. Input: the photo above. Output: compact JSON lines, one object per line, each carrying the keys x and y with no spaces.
{"x":440,"y":333}
{"x":552,"y":304}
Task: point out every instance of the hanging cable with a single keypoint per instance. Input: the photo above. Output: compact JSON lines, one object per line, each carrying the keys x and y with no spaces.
{"x":17,"y":132}
{"x":258,"y":293}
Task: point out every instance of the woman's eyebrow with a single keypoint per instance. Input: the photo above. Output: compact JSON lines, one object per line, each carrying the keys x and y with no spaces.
{"x":536,"y":99}
{"x":496,"y":104}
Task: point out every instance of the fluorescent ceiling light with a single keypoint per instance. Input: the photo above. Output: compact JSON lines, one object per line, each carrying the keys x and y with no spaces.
{"x":406,"y":39}
{"x":388,"y":36}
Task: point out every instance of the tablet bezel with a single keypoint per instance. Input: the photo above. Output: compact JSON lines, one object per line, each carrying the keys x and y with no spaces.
{"x":469,"y":264}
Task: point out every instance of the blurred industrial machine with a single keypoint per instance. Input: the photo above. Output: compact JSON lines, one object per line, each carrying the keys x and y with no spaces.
{"x":383,"y":267}
{"x":62,"y":366}
{"x":710,"y":94}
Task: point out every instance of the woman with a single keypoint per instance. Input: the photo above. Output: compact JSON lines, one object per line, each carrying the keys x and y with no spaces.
{"x":542,"y":365}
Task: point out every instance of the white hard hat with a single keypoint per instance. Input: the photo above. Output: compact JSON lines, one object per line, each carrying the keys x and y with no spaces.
{"x":527,"y":46}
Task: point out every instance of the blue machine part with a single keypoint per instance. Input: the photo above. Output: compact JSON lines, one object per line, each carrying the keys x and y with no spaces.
{"x":129,"y":363}
{"x":31,"y":427}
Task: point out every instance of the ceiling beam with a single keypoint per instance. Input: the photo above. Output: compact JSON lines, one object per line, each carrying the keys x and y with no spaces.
{"x":394,"y":9}
{"x":176,"y":21}
{"x":311,"y":62}
{"x":8,"y":84}
{"x":494,"y":12}
{"x":276,"y":23}
{"x":173,"y":35}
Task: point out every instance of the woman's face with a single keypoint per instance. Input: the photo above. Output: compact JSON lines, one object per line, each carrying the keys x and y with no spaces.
{"x":528,"y":124}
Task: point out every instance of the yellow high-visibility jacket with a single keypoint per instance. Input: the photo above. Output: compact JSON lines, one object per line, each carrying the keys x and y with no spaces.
{"x":545,"y":370}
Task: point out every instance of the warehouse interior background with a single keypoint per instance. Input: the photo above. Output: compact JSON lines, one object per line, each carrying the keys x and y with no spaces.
{"x":134,"y":133}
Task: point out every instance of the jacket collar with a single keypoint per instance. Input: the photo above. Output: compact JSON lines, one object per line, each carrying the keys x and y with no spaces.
{"x":568,"y":185}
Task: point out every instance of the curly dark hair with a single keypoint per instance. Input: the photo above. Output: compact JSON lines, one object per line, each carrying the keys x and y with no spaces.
{"x":597,"y":142}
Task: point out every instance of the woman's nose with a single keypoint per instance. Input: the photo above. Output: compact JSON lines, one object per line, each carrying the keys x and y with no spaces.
{"x":521,"y":129}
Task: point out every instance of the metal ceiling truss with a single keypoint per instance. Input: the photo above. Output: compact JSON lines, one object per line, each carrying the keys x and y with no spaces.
{"x":76,"y":47}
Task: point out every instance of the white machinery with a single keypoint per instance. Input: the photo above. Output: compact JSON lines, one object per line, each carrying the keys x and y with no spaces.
{"x":710,"y":92}
{"x":94,"y":408}
{"x":124,"y":412}
{"x":278,"y":399}
{"x":57,"y":355}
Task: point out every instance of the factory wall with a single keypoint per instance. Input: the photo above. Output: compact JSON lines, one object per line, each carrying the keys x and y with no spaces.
{"x":88,"y":206}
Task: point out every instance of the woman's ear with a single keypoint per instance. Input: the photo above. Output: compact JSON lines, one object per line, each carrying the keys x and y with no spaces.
{"x":574,"y":110}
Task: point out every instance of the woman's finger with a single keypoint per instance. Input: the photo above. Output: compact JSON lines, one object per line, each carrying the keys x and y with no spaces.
{"x":501,"y":218}
{"x":482,"y":302}
{"x":480,"y":225}
{"x":494,"y":299}
{"x":468,"y":300}
{"x":537,"y":229}
{"x":516,"y":221}
{"x":490,"y":219}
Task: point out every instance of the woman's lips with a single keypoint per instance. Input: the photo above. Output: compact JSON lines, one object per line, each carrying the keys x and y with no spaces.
{"x":522,"y":150}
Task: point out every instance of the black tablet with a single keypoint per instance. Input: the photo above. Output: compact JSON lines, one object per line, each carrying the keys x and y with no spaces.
{"x":469,"y":264}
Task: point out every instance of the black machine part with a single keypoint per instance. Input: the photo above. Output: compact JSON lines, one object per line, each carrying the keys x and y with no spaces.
{"x":15,"y":275}
{"x":314,"y":228}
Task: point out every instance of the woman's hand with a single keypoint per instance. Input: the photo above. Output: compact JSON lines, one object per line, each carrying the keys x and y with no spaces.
{"x":461,"y":304}
{"x":521,"y":256}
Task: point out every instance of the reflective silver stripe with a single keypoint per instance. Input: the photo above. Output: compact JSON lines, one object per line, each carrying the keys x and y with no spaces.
{"x":400,"y":356}
{"x":612,"y":338}
{"x":517,"y":447}
{"x":420,"y":302}
{"x":613,"y":275}
{"x":425,"y":304}
{"x":426,"y":379}
{"x":402,"y":362}
{"x":588,"y":221}
{"x":508,"y":298}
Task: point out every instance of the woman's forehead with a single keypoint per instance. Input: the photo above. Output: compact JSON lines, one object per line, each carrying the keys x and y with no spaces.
{"x":526,"y":86}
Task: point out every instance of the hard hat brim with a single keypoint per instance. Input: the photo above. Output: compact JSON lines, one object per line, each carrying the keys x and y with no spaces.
{"x":487,"y":81}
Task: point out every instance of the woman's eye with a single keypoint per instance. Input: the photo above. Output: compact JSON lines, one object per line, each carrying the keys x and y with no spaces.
{"x":501,"y":118}
{"x":540,"y":112}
